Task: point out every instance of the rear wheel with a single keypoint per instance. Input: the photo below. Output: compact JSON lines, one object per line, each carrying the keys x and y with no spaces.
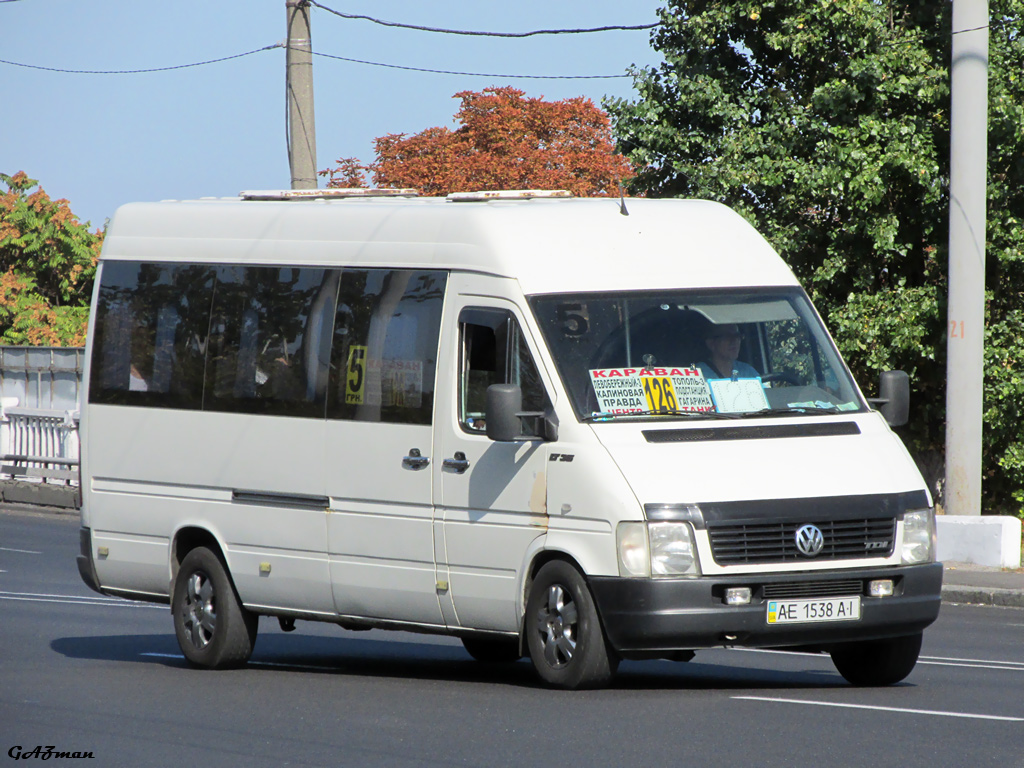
{"x":212,"y":627}
{"x":563,"y":632}
{"x":493,"y":650}
{"x":877,"y":662}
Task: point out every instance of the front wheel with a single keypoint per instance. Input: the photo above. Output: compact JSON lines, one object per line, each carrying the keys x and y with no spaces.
{"x":877,"y":662}
{"x":563,"y":632}
{"x":212,"y":627}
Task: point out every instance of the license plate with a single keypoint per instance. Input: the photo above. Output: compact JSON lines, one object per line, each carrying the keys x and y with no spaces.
{"x":806,"y":611}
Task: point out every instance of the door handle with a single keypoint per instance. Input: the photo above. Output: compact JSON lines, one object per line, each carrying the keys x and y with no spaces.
{"x":458,"y":464}
{"x":415,"y":460}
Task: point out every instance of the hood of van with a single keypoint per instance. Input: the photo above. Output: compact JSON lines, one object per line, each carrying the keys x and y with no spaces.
{"x":803,"y":457}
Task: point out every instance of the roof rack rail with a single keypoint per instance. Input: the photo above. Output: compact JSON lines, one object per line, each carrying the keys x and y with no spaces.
{"x":506,"y":194}
{"x":323,"y":194}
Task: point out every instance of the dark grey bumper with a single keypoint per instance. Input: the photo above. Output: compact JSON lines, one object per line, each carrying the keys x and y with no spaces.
{"x":86,"y":568}
{"x":647,"y":615}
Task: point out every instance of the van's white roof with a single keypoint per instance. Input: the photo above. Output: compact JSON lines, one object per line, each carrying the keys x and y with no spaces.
{"x":548,"y":245}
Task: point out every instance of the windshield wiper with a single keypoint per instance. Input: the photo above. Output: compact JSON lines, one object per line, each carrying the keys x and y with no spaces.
{"x":605,"y":416}
{"x":803,"y":410}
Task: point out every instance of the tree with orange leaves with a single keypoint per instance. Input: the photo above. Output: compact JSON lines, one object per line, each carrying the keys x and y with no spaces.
{"x":504,"y":141}
{"x":47,"y":263}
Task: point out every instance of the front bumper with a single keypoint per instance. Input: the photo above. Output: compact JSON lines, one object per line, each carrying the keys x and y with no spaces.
{"x":647,"y":615}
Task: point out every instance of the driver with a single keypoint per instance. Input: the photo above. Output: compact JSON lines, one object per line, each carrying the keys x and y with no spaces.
{"x":723,"y":343}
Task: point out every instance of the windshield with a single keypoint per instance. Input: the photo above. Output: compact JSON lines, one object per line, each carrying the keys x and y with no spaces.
{"x":694,"y":354}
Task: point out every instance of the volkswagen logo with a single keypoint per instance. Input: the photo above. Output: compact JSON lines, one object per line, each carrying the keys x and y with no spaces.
{"x":809,"y":540}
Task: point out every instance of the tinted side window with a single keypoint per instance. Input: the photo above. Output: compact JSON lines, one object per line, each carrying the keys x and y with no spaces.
{"x":384,"y":354}
{"x":494,"y":351}
{"x":268,"y":340}
{"x":152,"y":322}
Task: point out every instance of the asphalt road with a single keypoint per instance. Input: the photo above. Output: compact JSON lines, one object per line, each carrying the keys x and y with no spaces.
{"x":84,"y":673}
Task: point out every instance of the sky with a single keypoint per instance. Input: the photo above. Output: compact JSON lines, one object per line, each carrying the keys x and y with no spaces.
{"x":102,"y":140}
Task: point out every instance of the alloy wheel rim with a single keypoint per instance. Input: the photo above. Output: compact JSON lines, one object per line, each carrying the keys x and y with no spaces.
{"x":557,"y":620}
{"x":199,"y":611}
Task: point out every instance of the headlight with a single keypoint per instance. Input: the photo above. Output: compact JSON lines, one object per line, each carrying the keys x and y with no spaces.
{"x":656,"y":549}
{"x":672,"y":550}
{"x":918,"y":537}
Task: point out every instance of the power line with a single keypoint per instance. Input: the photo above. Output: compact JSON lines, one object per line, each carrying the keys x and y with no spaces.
{"x":315,"y":53}
{"x":990,"y":26}
{"x":469,"y":74}
{"x":138,"y":71}
{"x":611,"y":28}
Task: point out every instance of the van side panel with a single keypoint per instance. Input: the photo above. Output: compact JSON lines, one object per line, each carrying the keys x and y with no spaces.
{"x":379,"y":434}
{"x":379,"y":526}
{"x":155,"y":471}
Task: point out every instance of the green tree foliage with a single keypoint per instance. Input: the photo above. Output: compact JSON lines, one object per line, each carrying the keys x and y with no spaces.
{"x":826,"y":123}
{"x":47,"y":263}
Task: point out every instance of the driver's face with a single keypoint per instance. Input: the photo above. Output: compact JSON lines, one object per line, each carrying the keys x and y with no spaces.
{"x":724,"y":342}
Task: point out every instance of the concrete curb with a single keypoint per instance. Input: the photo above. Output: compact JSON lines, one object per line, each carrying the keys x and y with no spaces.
{"x":39,"y":494}
{"x":1006,"y":598}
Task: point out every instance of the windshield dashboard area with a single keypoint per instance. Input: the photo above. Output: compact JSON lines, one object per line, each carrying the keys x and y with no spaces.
{"x":689,"y":354}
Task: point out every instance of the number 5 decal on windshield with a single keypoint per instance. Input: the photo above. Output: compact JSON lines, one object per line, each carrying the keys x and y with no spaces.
{"x":574,"y":319}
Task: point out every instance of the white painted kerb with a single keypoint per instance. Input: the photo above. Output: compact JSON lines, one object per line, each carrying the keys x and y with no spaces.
{"x":986,"y":540}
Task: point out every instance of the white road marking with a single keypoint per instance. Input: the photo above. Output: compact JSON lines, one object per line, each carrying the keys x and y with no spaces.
{"x":974,"y":661}
{"x":938,"y":661}
{"x":1006,"y":666}
{"x":32,"y":597}
{"x":22,"y":551}
{"x":932,"y":712}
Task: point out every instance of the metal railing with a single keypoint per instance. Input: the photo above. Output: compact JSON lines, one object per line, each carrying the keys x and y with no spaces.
{"x":39,"y":444}
{"x":40,"y":389}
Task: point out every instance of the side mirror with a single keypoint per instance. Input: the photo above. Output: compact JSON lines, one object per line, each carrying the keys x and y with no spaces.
{"x":504,"y":401}
{"x":893,"y":400}
{"x":505,"y":412}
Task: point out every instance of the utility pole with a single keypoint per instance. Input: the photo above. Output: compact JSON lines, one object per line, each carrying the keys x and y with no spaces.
{"x":965,"y":343}
{"x":299,"y":88}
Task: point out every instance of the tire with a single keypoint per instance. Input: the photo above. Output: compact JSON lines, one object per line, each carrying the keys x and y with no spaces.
{"x":877,"y":662}
{"x":563,"y":632}
{"x":213,"y":629}
{"x":492,"y":650}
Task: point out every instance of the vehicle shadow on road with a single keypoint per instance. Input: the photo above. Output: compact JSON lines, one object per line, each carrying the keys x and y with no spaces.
{"x":445,"y":661}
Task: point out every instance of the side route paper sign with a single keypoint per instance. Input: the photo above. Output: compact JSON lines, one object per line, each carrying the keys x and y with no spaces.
{"x":739,"y":396}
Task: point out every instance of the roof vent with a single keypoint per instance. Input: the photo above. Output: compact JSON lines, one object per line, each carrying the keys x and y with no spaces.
{"x":506,"y":194}
{"x":323,"y":194}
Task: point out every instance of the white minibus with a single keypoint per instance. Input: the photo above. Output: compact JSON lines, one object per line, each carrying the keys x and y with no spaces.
{"x":578,"y":430}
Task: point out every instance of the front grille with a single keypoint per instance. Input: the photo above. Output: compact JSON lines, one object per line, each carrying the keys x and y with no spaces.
{"x":798,"y":589}
{"x":775,"y":542}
